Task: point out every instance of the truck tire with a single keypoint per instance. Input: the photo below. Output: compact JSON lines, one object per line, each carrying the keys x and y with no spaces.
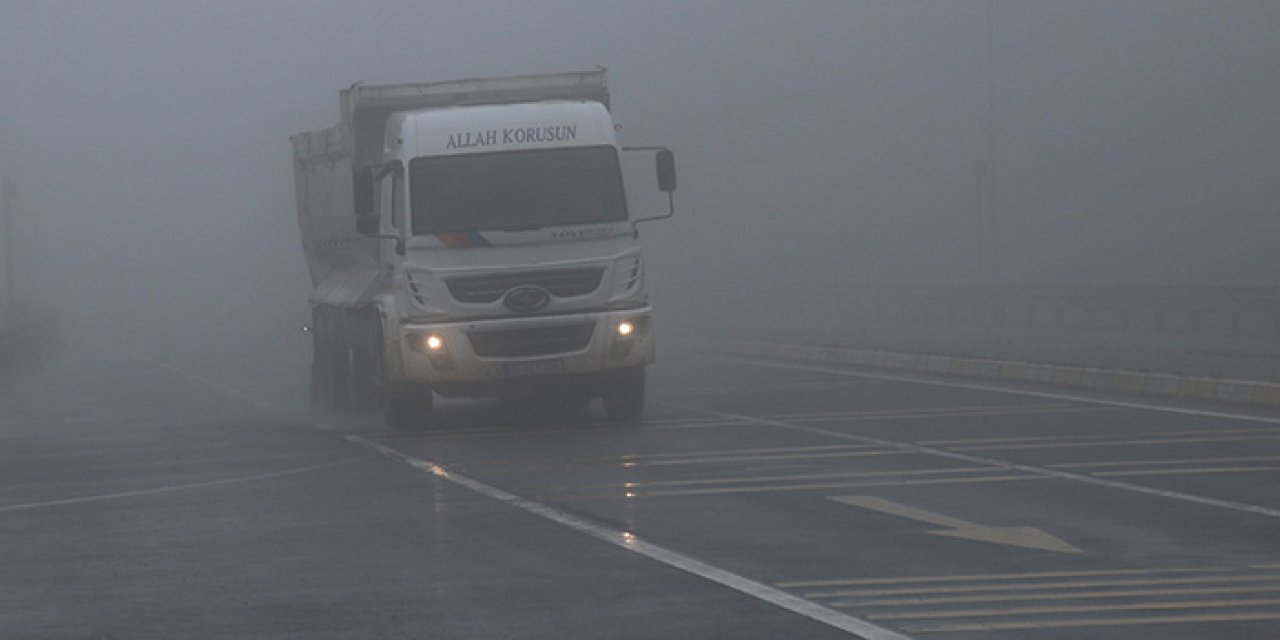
{"x":409,"y":406}
{"x":624,"y":396}
{"x":329,"y":367}
{"x":363,"y":340}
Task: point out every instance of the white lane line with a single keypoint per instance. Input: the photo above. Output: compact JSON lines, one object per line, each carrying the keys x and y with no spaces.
{"x":171,"y":488}
{"x":993,"y":388}
{"x":630,"y":542}
{"x":1004,"y":464}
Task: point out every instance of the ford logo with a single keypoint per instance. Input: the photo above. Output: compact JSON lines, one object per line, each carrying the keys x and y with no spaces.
{"x":526,"y":299}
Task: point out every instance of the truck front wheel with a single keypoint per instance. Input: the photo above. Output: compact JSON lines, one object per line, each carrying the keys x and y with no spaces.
{"x":624,"y":395}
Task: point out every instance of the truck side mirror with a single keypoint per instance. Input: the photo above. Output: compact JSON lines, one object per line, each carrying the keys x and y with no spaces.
{"x":362,"y":185}
{"x":367,"y":225}
{"x":666,"y":160}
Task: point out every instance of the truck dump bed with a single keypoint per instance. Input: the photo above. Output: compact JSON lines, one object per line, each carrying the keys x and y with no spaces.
{"x":365,"y":108}
{"x":360,"y":100}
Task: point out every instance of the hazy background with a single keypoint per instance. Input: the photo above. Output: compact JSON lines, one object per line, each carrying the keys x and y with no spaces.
{"x":1109,"y":140}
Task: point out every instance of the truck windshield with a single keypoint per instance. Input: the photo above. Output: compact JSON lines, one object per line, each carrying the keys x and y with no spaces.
{"x":516,"y":190}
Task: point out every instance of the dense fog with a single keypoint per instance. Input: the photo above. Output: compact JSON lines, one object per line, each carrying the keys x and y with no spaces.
{"x":860,"y":141}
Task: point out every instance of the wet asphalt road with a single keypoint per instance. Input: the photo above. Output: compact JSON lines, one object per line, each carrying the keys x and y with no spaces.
{"x":152,"y":489}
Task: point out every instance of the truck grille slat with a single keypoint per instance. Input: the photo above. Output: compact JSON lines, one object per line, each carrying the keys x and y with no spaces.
{"x":561,"y":283}
{"x":535,"y":341}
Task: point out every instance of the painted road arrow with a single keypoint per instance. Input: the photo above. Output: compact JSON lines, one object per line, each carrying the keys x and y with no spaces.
{"x":1028,"y":537}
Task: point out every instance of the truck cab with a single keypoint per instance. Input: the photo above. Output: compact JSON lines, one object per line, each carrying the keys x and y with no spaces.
{"x":495,"y":255}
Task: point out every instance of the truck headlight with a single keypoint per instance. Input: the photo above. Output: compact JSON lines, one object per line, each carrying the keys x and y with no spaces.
{"x":433,"y":343}
{"x":626,"y":333}
{"x":434,"y":346}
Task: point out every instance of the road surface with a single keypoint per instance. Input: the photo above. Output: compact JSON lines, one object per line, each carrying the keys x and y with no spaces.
{"x":168,"y":487}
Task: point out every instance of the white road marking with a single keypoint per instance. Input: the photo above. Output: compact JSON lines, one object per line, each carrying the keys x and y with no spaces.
{"x":170,"y":488}
{"x":625,"y":539}
{"x":1026,"y":537}
{"x":1004,"y":464}
{"x":629,"y":541}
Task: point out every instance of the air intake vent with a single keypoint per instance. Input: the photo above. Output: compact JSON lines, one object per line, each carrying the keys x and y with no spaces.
{"x":633,"y":274}
{"x":536,"y":341}
{"x":561,"y":283}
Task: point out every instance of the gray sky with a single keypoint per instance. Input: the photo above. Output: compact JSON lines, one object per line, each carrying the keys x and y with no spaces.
{"x":1133,"y":140}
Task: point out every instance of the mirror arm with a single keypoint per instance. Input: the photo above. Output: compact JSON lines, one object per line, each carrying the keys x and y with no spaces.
{"x":400,"y":241}
{"x":671,"y":210}
{"x":400,"y":244}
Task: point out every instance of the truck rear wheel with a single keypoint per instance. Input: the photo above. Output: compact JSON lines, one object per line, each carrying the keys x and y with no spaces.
{"x":329,"y":366}
{"x":624,"y":395}
{"x":362,"y":340}
{"x":409,"y":406}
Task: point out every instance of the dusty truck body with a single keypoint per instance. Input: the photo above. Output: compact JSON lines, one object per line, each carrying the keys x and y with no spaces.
{"x":473,"y":238}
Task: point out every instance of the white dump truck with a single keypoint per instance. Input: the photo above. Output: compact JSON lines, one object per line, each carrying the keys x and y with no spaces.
{"x":473,"y":238}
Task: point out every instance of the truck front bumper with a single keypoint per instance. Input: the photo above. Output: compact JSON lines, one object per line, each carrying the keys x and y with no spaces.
{"x":481,"y":357}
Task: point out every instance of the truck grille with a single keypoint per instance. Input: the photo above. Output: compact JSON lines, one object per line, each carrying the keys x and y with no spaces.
{"x":561,"y":283}
{"x":537,"y":341}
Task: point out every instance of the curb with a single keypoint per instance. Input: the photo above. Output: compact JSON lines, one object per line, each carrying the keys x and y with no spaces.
{"x":1114,"y":380}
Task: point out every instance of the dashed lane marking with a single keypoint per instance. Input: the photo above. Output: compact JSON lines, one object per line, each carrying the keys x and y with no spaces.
{"x":804,"y":476}
{"x":1047,"y":586}
{"x":1111,"y":438}
{"x":1261,"y":616}
{"x":835,"y":485}
{"x":1087,"y":608}
{"x":1179,"y":471}
{"x":735,"y":453}
{"x":917,"y":601}
{"x":1151,"y":463}
{"x":860,"y":453}
{"x":918,"y":414}
{"x":1001,"y":577}
{"x":765,"y":388}
{"x":1111,"y":443}
{"x":1062,"y":599}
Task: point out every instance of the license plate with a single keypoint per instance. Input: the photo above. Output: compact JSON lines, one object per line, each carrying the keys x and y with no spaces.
{"x":533,"y":368}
